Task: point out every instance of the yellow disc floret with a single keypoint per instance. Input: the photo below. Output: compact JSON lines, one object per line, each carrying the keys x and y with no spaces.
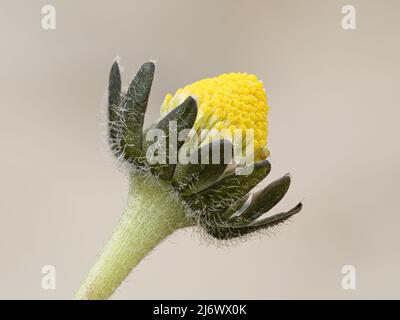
{"x":228,"y":102}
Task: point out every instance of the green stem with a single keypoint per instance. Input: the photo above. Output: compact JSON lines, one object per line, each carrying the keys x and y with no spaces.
{"x":151,"y":215}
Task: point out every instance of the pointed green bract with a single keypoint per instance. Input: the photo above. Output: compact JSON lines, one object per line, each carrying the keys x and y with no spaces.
{"x":135,"y":105}
{"x":264,"y":200}
{"x":227,"y":231}
{"x":225,"y":192}
{"x":114,"y":99}
{"x":175,"y":124}
{"x":233,"y":208}
{"x":206,"y":166}
{"x":277,"y":218}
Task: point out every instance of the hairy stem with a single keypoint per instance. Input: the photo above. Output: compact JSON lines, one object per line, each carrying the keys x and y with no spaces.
{"x":151,"y":215}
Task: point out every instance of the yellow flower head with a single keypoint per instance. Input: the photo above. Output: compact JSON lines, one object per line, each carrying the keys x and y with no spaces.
{"x":229,"y":101}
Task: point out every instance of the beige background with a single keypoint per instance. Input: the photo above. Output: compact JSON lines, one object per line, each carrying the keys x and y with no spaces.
{"x":333,"y":124}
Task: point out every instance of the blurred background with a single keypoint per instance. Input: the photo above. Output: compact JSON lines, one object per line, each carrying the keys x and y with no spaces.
{"x":334,"y":113}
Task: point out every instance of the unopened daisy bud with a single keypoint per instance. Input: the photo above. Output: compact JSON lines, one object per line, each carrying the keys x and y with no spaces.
{"x":168,"y":195}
